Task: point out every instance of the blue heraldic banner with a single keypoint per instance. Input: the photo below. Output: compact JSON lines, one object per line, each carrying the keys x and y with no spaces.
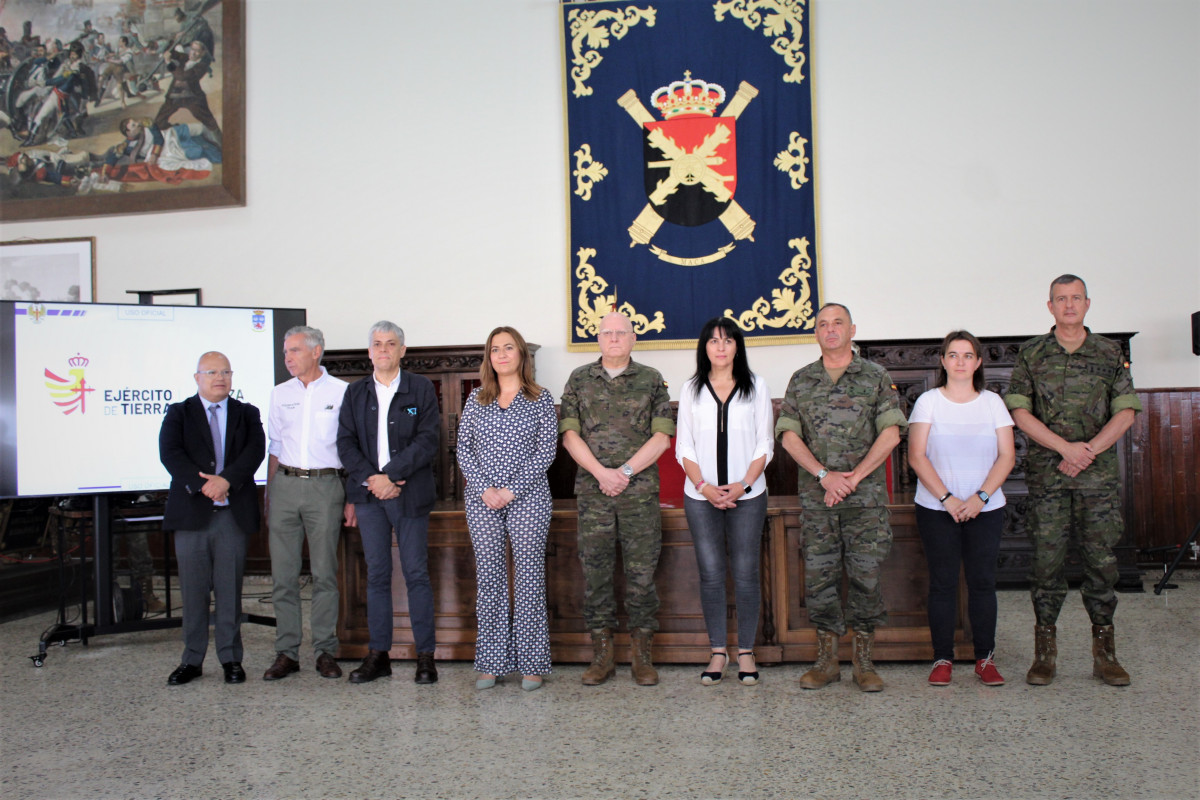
{"x":690,"y":154}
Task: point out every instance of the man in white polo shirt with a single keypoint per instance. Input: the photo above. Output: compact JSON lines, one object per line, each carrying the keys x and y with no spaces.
{"x":305,"y":497}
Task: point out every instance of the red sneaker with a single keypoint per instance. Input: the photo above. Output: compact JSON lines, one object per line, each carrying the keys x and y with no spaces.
{"x":985,"y":668}
{"x":940,"y":676}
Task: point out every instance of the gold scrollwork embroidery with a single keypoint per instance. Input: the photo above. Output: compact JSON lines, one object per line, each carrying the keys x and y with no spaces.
{"x":590,"y":32}
{"x":793,"y":161}
{"x":793,"y":311}
{"x":587,"y":171}
{"x":775,"y":17}
{"x":591,"y":313}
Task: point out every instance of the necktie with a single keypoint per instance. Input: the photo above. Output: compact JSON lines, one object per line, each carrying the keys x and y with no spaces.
{"x":218,"y":440}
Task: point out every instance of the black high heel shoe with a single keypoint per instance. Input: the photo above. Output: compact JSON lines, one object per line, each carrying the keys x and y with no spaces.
{"x":747,"y":678}
{"x":713,"y":678}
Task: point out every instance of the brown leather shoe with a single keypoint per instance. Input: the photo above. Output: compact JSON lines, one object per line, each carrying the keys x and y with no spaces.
{"x":377,"y":664}
{"x":328,"y":667}
{"x":282,"y":667}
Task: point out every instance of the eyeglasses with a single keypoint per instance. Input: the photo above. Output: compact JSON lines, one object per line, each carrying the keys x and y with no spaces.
{"x":615,"y":334}
{"x":213,"y":373}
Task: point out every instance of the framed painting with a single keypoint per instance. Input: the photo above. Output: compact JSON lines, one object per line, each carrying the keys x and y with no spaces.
{"x":49,"y":270}
{"x":121,"y":107}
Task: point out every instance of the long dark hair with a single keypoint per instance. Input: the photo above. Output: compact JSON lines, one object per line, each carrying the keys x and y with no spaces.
{"x":490,"y":384}
{"x":743,"y":378}
{"x":954,"y":336}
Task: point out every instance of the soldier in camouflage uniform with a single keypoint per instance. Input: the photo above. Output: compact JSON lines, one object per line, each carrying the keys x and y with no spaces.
{"x":616,"y":421}
{"x":840,"y":420}
{"x":1072,"y":395}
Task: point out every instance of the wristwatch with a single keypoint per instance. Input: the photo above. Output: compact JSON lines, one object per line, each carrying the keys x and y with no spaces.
{"x":745,"y":487}
{"x":627,"y":470}
{"x":982,"y":495}
{"x":821,"y":475}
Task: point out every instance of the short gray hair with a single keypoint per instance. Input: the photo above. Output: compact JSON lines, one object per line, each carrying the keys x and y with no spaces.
{"x":1067,"y":280}
{"x":383,"y":326}
{"x":312,"y":336}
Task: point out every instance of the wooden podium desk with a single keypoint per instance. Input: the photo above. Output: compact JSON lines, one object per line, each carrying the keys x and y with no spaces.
{"x":784,"y":633}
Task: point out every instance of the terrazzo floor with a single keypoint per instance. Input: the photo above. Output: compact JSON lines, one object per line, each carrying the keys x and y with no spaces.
{"x":99,"y":721}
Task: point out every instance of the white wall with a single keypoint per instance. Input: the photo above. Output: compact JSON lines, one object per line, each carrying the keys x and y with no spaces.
{"x":406,"y":160}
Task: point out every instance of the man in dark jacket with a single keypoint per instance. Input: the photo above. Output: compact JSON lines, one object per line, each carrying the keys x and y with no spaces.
{"x":387,"y":440}
{"x":211,"y":444}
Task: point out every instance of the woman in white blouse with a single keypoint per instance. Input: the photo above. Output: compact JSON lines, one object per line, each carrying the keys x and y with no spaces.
{"x":960,"y":444}
{"x":724,"y":440}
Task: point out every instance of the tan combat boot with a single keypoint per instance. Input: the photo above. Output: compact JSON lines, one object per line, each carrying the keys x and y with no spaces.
{"x":826,"y":670}
{"x":644,"y":673}
{"x":1104,"y":657}
{"x":863,"y":670}
{"x":153,"y":604}
{"x":1045,"y":653}
{"x":603,"y":666}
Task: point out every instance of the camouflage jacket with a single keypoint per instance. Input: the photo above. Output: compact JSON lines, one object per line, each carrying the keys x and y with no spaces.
{"x":839,"y":422}
{"x":1074,"y":395}
{"x":615,"y":417}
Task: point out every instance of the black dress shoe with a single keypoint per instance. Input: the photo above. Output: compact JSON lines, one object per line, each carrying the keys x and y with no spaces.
{"x":426,"y":669}
{"x":377,"y":664}
{"x":183,"y":674}
{"x":234,"y":672}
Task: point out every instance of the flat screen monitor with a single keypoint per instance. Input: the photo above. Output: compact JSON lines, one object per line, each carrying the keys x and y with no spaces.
{"x":84,"y":386}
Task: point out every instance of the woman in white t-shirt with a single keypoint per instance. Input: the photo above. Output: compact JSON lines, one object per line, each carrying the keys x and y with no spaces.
{"x":960,"y":444}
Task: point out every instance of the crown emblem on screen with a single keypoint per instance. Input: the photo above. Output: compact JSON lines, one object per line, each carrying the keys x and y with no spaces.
{"x":687,"y":96}
{"x":78,"y":361}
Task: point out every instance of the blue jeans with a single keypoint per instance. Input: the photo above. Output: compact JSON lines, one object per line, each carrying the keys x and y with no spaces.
{"x":736,"y":532}
{"x":376,"y":521}
{"x":975,"y":546}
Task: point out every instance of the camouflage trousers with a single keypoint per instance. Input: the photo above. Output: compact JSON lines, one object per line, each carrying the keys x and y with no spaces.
{"x":858,"y":539}
{"x":636,"y":522}
{"x":1090,"y":517}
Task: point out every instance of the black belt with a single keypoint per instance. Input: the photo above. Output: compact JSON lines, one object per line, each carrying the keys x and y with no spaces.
{"x":308,"y":473}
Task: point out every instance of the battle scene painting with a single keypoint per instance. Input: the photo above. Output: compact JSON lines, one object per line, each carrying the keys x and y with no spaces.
{"x":120,"y":106}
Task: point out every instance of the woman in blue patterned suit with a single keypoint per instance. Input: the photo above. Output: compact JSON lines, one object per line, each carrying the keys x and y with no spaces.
{"x":507,"y":439}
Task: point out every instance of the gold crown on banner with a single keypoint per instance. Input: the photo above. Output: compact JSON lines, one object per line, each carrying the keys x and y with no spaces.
{"x":687,"y":97}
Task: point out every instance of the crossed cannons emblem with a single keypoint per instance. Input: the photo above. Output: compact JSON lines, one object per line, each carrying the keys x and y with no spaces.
{"x":694,"y":167}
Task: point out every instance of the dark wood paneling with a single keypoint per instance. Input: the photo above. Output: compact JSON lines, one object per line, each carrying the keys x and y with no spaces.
{"x":784,"y":632}
{"x":1165,"y":467}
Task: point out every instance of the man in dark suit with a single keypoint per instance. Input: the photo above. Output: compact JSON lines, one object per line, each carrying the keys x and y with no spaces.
{"x":387,"y":439}
{"x":213,"y":507}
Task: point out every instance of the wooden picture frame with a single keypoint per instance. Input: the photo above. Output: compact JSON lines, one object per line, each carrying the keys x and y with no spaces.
{"x":49,"y":270}
{"x":227,"y":189}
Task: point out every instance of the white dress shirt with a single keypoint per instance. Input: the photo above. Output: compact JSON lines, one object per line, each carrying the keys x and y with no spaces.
{"x":750,"y":435}
{"x":302,"y":422}
{"x":384,"y":394}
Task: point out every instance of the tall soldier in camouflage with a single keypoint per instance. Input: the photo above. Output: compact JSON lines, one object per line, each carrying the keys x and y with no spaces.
{"x":1072,"y":395}
{"x":840,"y":420}
{"x":616,"y":421}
